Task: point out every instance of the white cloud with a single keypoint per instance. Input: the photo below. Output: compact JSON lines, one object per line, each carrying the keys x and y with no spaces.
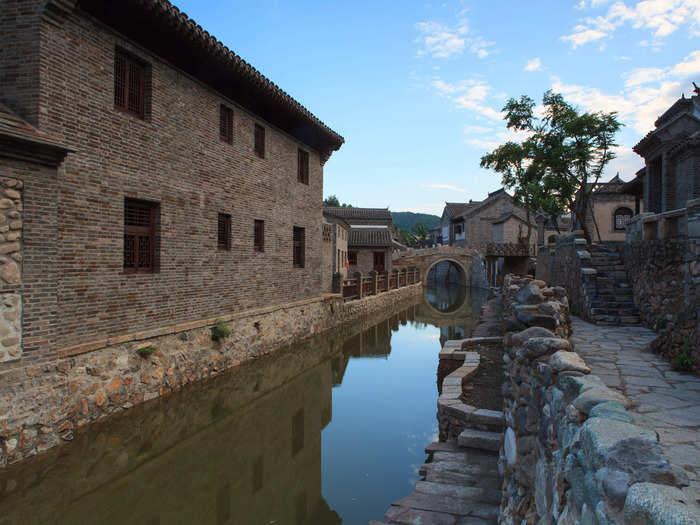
{"x":443,"y":41}
{"x":661,"y":17}
{"x":642,"y":75}
{"x":534,"y":65}
{"x":580,"y":5}
{"x":468,"y":94}
{"x":689,"y":67}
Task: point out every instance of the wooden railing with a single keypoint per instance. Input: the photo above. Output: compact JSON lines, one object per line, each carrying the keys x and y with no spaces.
{"x":362,"y":286}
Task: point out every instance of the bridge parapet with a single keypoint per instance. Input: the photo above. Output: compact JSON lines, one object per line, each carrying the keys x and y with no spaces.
{"x":426,"y":258}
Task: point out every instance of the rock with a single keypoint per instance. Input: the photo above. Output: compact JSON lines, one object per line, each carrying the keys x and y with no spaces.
{"x":563,"y":360}
{"x":521,"y":337}
{"x":549,"y":308}
{"x":530,"y":294}
{"x":611,"y":410}
{"x":511,"y":324}
{"x":10,"y":273}
{"x":530,"y":319}
{"x":659,"y":505}
{"x":601,"y":438}
{"x":509,"y":447}
{"x":614,"y":484}
{"x":539,"y":346}
{"x":6,"y":203}
{"x":595,"y":396}
{"x":10,"y":341}
{"x":100,"y":397}
{"x":12,"y":194}
{"x":573,"y":385}
{"x":9,"y":247}
{"x":539,"y":283}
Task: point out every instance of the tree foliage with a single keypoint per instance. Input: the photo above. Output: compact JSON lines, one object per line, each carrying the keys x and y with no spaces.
{"x":332,"y":200}
{"x":420,"y":231}
{"x":561,"y":159}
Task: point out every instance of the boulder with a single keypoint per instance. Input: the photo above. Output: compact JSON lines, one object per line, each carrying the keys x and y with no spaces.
{"x":530,"y":294}
{"x":564,"y":360}
{"x":523,"y":336}
{"x":659,"y":505}
{"x":539,"y":346}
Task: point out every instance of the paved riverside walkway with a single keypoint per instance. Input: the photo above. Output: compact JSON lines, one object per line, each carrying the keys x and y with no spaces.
{"x":665,"y":400}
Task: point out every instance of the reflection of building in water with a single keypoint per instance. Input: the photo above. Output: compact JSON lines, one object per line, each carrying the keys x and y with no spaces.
{"x":446,"y":299}
{"x":229,"y":454}
{"x":454,"y":308}
{"x":446,"y":273}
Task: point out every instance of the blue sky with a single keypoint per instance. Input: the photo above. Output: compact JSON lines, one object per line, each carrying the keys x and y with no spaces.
{"x":416,"y":87}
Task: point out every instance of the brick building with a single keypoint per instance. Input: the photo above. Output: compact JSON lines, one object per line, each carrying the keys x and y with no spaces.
{"x":336,"y":233}
{"x":370,"y":239}
{"x":191,"y":184}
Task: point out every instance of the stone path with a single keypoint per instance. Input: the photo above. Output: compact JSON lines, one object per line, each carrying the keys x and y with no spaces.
{"x":664,"y":400}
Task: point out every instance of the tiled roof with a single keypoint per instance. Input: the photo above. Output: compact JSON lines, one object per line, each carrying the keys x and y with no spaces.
{"x":12,"y":125}
{"x":455,"y":208}
{"x":364,"y":214}
{"x":473,"y":207}
{"x":369,"y":238}
{"x":22,"y":140}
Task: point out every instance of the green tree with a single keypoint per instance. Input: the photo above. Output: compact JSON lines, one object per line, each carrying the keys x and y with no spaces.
{"x":561,"y":159}
{"x":331,"y":200}
{"x":420,"y":231}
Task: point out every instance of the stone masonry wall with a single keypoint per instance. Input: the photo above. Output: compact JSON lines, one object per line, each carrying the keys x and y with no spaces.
{"x":572,"y":453}
{"x":665,"y":277}
{"x":41,"y":405}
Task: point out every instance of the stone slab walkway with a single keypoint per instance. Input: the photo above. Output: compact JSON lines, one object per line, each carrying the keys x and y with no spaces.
{"x":664,"y":400}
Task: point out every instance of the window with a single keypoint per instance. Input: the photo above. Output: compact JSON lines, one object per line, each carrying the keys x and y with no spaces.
{"x":139,"y":235}
{"x":303,"y":166}
{"x":130,"y":76}
{"x":226,"y":124}
{"x":352,"y":258}
{"x":458,"y":228}
{"x":259,"y":236}
{"x":298,"y":247}
{"x":623,"y":216}
{"x":224,"y":233}
{"x":260,"y":141}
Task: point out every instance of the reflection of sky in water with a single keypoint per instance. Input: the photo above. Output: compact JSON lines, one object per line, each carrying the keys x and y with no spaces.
{"x":444,"y":299}
{"x":383,"y":418}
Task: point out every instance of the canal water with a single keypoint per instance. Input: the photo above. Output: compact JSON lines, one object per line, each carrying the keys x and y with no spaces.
{"x":326,"y":432}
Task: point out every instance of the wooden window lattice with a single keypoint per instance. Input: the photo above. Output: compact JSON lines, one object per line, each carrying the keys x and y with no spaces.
{"x":260,"y":141}
{"x":226,"y":124}
{"x":224,"y":231}
{"x":303,"y":166}
{"x":623,"y":217}
{"x":298,"y":238}
{"x":139,"y":235}
{"x":352,"y":257}
{"x":129,"y":84}
{"x":259,"y":236}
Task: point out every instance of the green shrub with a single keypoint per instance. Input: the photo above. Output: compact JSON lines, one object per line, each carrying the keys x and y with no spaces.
{"x":573,"y":310}
{"x":145,"y":351}
{"x":683,"y":361}
{"x":219,"y":331}
{"x":332,"y":307}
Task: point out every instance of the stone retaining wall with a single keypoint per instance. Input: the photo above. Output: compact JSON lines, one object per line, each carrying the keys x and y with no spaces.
{"x":665,"y":277}
{"x":41,"y":405}
{"x":572,"y":453}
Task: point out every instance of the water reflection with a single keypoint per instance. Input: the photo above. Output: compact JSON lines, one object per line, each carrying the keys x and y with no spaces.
{"x":330,"y":431}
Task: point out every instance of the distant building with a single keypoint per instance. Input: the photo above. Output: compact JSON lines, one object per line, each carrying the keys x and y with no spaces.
{"x":436,"y":234}
{"x":336,"y":233}
{"x":370,"y":240}
{"x":610,"y":210}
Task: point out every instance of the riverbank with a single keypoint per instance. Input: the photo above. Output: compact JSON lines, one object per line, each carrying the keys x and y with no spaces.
{"x":42,"y":406}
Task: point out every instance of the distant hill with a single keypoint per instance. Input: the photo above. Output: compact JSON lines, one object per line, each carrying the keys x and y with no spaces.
{"x":406,"y":219}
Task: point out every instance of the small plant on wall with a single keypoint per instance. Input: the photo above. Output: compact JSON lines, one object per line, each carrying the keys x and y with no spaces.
{"x":684,"y":361}
{"x":145,"y":351}
{"x":219,"y":331}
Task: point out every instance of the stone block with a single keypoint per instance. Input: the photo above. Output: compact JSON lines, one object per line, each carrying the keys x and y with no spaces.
{"x":659,"y":505}
{"x":520,"y":338}
{"x":530,"y":294}
{"x":585,"y":401}
{"x":563,"y":360}
{"x":604,"y":441}
{"x":540,"y":346}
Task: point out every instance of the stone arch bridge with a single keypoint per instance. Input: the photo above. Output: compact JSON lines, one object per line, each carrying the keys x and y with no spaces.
{"x":467,"y":259}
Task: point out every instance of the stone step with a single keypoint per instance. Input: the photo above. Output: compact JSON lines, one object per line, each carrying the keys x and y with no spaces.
{"x":486,"y":479}
{"x":489,"y":419}
{"x":445,"y":504}
{"x":399,"y":515}
{"x":617,"y":311}
{"x":480,"y":439}
{"x":457,"y":491}
{"x":611,"y":304}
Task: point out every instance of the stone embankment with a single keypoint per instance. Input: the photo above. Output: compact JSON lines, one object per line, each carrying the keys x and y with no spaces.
{"x":572,"y":452}
{"x":43,"y":405}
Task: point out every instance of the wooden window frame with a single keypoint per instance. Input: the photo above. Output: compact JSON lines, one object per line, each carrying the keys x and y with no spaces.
{"x":126,"y":67}
{"x":226,"y":124}
{"x":352,"y":257}
{"x":223,"y":232}
{"x":259,"y":141}
{"x":139,"y":232}
{"x":298,"y":247}
{"x":303,"y":166}
{"x":259,"y":235}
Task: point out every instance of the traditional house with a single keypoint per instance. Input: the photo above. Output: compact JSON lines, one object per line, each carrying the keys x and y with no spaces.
{"x":436,"y":235}
{"x":151,"y":177}
{"x":610,"y":210}
{"x":452,"y":228}
{"x":370,"y":239}
{"x":671,"y":155}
